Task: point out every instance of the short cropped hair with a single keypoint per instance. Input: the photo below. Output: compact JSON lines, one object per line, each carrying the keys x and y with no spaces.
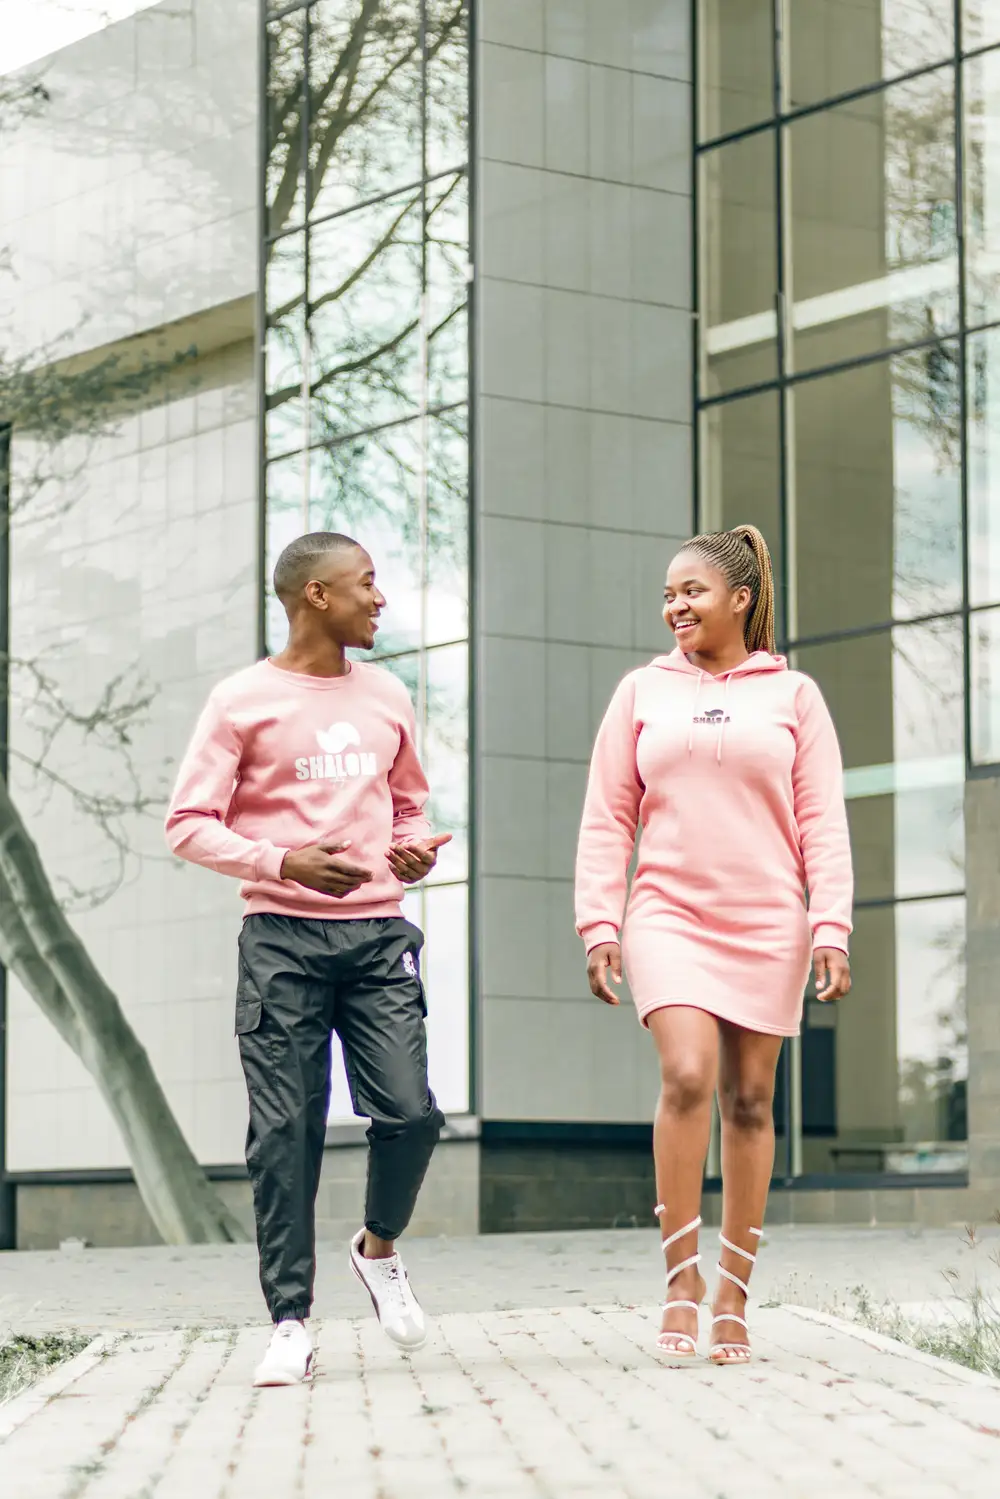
{"x":297,"y":562}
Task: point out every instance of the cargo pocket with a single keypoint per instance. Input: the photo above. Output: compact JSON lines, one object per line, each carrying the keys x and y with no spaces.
{"x":248,"y":1007}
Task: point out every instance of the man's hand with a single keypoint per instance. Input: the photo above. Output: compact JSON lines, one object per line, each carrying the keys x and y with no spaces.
{"x":319,"y":868}
{"x":413,"y":859}
{"x":600,"y":958}
{"x":832,"y":971}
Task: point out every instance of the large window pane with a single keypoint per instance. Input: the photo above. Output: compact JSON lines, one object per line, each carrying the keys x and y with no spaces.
{"x":736,"y":65}
{"x":285,"y":346}
{"x":444,"y":917}
{"x":913,"y":842}
{"x":740,"y":473}
{"x":837,"y":46}
{"x":403,"y":493}
{"x":874,"y":232}
{"x":287,"y":517}
{"x":739,"y":260}
{"x":364,"y":315}
{"x":982,"y":186}
{"x":983,"y":438}
{"x":448,"y":290}
{"x":877,"y":506}
{"x":900,"y":1054}
{"x":896,"y":695}
{"x":284,"y":179}
{"x":447,"y":84}
{"x":984,"y":682}
{"x":365,"y":100}
{"x":980,"y":22}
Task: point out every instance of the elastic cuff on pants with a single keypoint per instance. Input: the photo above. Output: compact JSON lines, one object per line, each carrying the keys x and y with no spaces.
{"x":290,"y":1314}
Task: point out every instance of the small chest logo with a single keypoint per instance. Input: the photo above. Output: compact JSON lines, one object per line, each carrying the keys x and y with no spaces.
{"x":713,"y":716}
{"x":340,"y":761}
{"x":410,"y":964}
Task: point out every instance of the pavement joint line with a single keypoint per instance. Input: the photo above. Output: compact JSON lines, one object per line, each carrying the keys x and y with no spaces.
{"x":14,"y":1413}
{"x":899,"y":1349}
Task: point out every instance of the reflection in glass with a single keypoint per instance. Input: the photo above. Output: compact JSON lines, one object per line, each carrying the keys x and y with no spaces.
{"x":983,"y":463}
{"x":895,"y":695}
{"x":447,"y":290}
{"x":444,"y":917}
{"x":735,"y":64}
{"x":738,"y":274}
{"x":873,"y":222}
{"x":283,"y":180}
{"x":982,"y":186}
{"x":365,"y":68}
{"x":365,"y":285}
{"x":286,"y":519}
{"x":984,"y":683}
{"x":878,"y":492}
{"x":913,"y":842}
{"x":837,"y":46}
{"x":447,"y":84}
{"x":981,"y":23}
{"x":285,"y":346}
{"x":372,"y":486}
{"x":741,"y":478}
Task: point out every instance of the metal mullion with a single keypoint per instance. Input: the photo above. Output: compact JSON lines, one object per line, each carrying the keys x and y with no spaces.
{"x":963,"y":378}
{"x":882,"y":627}
{"x":327,"y":443}
{"x":883,"y":902}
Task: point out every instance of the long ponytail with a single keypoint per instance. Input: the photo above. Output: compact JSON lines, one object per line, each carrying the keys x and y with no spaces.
{"x":743,"y":558}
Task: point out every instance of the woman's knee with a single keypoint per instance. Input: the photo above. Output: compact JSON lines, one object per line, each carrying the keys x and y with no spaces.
{"x":748,"y":1106}
{"x":686,"y":1084}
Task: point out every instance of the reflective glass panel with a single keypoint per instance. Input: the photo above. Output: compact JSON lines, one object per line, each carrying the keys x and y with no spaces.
{"x":983,"y":440}
{"x":284,"y":182}
{"x":447,"y":84}
{"x":874,"y":243}
{"x":980,"y":23}
{"x":893,"y":1060}
{"x":836,"y":46}
{"x":447,"y":290}
{"x":364,"y":316}
{"x":982,"y":187}
{"x":739,"y":261}
{"x":735,"y":65}
{"x":366,"y":92}
{"x":740,"y":473}
{"x":285,"y":348}
{"x":877,"y":500}
{"x":984,"y":681}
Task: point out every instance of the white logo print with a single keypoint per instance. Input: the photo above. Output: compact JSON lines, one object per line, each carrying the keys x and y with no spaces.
{"x":337,"y":737}
{"x":337,"y":762}
{"x":410,"y":964}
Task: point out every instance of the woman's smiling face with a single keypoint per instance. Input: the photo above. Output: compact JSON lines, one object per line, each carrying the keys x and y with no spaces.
{"x":705,"y":614}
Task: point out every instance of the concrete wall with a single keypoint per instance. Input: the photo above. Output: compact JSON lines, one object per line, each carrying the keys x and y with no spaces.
{"x":583,"y":489}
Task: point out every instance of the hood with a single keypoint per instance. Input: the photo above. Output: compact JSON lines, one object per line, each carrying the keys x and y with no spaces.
{"x":759,"y":662}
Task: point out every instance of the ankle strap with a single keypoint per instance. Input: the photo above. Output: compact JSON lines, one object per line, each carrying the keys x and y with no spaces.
{"x":688,"y":1228}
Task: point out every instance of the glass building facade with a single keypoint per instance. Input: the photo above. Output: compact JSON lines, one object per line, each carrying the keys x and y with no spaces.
{"x":847,"y":165}
{"x":366,"y":383}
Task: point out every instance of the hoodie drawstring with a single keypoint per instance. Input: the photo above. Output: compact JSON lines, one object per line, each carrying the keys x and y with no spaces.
{"x":694,"y":713}
{"x":722,"y":721}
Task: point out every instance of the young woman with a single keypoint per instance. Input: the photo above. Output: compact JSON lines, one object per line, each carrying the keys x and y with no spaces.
{"x":730,"y":763}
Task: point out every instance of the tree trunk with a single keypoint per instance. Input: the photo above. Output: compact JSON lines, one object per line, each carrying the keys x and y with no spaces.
{"x":38,"y":944}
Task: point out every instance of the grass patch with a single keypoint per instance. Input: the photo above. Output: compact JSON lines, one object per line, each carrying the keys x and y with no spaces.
{"x":965,"y":1328}
{"x":25,"y":1359}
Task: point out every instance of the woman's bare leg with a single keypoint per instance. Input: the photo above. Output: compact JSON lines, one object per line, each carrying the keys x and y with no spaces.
{"x":687,"y":1041}
{"x":746,"y":1104}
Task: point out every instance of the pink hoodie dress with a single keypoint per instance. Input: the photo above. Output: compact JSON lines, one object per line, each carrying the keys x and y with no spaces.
{"x":737,"y":784}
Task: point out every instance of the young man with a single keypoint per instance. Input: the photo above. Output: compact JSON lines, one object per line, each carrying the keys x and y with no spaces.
{"x":303,"y":781}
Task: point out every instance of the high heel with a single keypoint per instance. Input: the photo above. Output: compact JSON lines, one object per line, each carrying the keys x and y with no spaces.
{"x":734,"y":1353}
{"x":678,"y":1354}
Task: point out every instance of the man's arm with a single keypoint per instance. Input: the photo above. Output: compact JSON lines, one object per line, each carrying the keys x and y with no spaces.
{"x":196,"y":818}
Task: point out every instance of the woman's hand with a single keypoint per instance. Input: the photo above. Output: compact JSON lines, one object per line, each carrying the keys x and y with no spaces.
{"x":600,"y":958}
{"x":832,"y":970}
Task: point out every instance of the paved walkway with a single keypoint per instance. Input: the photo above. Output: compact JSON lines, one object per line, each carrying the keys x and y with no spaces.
{"x":546,"y":1400}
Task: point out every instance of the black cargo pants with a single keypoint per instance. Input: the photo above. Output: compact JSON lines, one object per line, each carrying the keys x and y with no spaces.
{"x":299,"y":982}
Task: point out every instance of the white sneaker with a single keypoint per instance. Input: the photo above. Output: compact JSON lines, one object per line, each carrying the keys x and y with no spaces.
{"x":288,"y":1359}
{"x":387,"y":1283}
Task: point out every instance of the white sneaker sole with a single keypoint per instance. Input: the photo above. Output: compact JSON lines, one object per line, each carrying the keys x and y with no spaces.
{"x":403,"y":1347}
{"x":278,"y":1381}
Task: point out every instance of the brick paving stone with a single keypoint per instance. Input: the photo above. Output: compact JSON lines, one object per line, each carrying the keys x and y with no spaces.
{"x":531,"y":1402}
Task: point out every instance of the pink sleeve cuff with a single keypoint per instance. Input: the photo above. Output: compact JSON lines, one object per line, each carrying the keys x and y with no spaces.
{"x":831,"y":936}
{"x":269,"y":862}
{"x":601,"y":931}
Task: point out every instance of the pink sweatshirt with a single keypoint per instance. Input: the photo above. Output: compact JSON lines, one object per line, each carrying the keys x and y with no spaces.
{"x":736,"y":781}
{"x":279,"y":761}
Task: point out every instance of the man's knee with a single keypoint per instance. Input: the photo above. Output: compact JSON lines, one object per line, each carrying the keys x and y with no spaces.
{"x":416,"y":1119}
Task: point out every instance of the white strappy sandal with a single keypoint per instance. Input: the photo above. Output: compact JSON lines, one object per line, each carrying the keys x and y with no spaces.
{"x":685,"y":1346}
{"x":723,"y":1353}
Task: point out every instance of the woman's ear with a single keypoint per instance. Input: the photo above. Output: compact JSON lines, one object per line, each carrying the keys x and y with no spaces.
{"x":742,"y":599}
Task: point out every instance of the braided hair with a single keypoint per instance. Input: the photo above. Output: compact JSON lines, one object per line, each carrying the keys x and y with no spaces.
{"x":742,"y":557}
